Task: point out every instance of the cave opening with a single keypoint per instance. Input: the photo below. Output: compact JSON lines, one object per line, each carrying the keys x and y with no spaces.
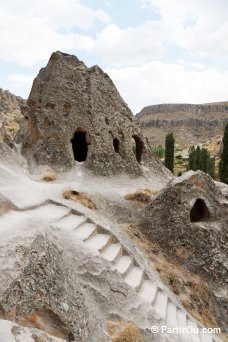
{"x":199,"y":211}
{"x":116,"y":145}
{"x":79,"y":146}
{"x":138,"y":148}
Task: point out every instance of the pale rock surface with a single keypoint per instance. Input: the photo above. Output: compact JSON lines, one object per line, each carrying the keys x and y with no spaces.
{"x":58,"y":281}
{"x":189,"y":220}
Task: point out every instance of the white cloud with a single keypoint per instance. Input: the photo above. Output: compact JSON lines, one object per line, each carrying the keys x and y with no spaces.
{"x":198,"y":26}
{"x":21,"y":79}
{"x":20,"y":84}
{"x":131,"y":46}
{"x":31,"y":30}
{"x":158,"y":82}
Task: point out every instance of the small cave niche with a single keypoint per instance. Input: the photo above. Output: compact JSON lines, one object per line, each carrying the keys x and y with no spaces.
{"x":50,"y":105}
{"x":66,"y":107}
{"x":31,"y":103}
{"x":116,"y":145}
{"x":137,"y":148}
{"x":199,"y":211}
{"x":79,"y":146}
{"x":106,"y":121}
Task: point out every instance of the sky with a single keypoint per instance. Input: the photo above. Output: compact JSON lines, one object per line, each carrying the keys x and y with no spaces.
{"x":155,"y":51}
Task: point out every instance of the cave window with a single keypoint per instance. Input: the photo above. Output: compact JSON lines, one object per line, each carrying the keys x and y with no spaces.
{"x":199,"y":211}
{"x":79,"y":146}
{"x":138,"y":148}
{"x":116,"y":145}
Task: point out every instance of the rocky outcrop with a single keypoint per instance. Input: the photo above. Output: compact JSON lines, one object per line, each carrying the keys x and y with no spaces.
{"x":190,"y":123}
{"x":34,"y":299}
{"x":76,"y":113}
{"x":12,"y":332}
{"x":189,"y":221}
{"x":70,"y":272}
{"x":10,"y":113}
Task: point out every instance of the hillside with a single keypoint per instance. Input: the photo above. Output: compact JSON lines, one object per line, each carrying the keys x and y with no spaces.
{"x":191,"y":124}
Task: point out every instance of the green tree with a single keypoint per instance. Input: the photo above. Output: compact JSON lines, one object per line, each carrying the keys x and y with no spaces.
{"x":169,"y":151}
{"x":159,"y":151}
{"x":197,"y":159}
{"x":211,"y":170}
{"x":191,"y":157}
{"x":204,"y":160}
{"x":200,"y":159}
{"x":223,"y":165}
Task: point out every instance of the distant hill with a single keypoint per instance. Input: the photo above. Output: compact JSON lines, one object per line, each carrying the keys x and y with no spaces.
{"x":191,"y":124}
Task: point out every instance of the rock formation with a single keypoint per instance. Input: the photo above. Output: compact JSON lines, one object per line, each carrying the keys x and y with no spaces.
{"x":190,"y":123}
{"x":72,"y":273}
{"x":76,"y":113}
{"x":189,"y":220}
{"x":10,"y":113}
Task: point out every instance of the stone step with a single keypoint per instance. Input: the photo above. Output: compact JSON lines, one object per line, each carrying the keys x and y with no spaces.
{"x":50,"y":212}
{"x":194,"y":336}
{"x":85,"y":231}
{"x":99,"y":241}
{"x":206,"y":338}
{"x":171,"y":314}
{"x":70,"y":222}
{"x":112,"y":252}
{"x":148,"y":291}
{"x":181,"y":318}
{"x":134,"y":277}
{"x":124,"y":264}
{"x":160,"y":303}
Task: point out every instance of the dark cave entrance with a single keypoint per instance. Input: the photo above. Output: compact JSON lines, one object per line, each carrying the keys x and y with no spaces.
{"x":199,"y":211}
{"x":138,"y":148}
{"x":116,"y":145}
{"x":80,"y":146}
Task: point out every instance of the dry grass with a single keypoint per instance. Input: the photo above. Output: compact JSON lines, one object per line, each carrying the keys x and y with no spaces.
{"x":79,"y":197}
{"x":141,"y":196}
{"x":49,"y":177}
{"x":191,"y":289}
{"x":5,"y":206}
{"x":123,"y":332}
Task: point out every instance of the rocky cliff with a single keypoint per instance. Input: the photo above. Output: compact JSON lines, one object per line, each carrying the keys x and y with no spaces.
{"x":10,"y":112}
{"x":190,"y":123}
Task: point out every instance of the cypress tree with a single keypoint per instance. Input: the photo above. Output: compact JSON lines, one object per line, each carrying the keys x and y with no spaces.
{"x":169,"y":151}
{"x":223,"y":165}
{"x":197,"y":161}
{"x":205,"y":160}
{"x":200,"y":159}
{"x":191,"y":158}
{"x":212,"y":167}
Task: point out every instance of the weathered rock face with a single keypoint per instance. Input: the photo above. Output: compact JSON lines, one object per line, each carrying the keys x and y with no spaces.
{"x":7,"y":153}
{"x":190,"y":123}
{"x":42,"y":298}
{"x":189,"y":221}
{"x":76,"y":113}
{"x":10,"y":112}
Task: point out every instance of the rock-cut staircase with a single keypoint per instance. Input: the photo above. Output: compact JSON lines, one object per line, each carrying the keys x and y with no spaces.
{"x":152,"y":291}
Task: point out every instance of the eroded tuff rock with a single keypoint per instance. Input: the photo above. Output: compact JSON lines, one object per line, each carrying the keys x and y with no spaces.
{"x":41,"y":296}
{"x":12,"y":332}
{"x":76,"y":113}
{"x":65,"y":293}
{"x":189,"y":220}
{"x":10,"y":112}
